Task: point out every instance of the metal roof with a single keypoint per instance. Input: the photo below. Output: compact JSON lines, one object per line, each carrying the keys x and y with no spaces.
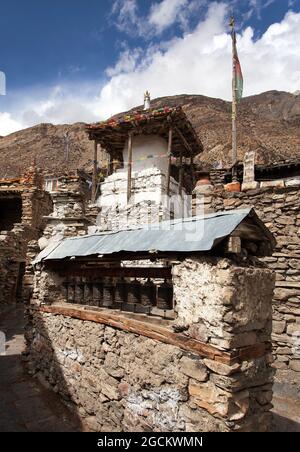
{"x":188,"y":235}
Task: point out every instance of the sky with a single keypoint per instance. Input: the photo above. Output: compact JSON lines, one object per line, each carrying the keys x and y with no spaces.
{"x":67,"y":61}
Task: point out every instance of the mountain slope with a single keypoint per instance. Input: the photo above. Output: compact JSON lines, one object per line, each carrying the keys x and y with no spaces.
{"x":268,"y":123}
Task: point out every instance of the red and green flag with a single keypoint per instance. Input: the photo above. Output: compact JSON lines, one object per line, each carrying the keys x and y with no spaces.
{"x":238,"y":75}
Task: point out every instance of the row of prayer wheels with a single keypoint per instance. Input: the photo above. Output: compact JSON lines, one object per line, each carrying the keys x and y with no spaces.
{"x":112,"y":292}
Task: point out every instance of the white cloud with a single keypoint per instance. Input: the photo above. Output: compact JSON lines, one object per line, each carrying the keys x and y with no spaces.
{"x":161,"y":16}
{"x":8,"y":124}
{"x":164,"y":14}
{"x":199,"y":62}
{"x":127,"y":18}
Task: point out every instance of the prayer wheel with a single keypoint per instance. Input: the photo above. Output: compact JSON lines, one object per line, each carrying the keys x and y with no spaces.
{"x":120,"y":292}
{"x":66,"y":290}
{"x":98,"y":293}
{"x":79,"y":292}
{"x":134,"y":292}
{"x":165,"y":296}
{"x":148,"y":293}
{"x":70,"y":292}
{"x":108,"y":292}
{"x":88,"y":293}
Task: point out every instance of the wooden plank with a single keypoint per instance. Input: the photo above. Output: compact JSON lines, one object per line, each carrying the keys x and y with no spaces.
{"x":144,"y":328}
{"x":170,"y":142}
{"x":117,"y":272}
{"x":183,"y":139}
{"x":193,"y":171}
{"x":95,"y":175}
{"x":129,"y":176}
{"x":157,"y":332}
{"x":180,"y":174}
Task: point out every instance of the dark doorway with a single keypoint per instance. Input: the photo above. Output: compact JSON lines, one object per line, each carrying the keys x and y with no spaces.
{"x":10,"y":212}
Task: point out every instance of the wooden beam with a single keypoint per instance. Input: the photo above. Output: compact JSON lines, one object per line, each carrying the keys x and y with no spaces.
{"x":183,"y":139}
{"x":169,"y":159}
{"x":138,"y":326}
{"x":95,"y":173}
{"x":193,"y":171}
{"x":144,"y":326}
{"x":129,"y":176}
{"x":180,"y":174}
{"x":116,"y":272}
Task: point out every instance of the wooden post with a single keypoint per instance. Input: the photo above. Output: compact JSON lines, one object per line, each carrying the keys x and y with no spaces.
{"x":169,"y":160}
{"x":234,"y":106}
{"x":95,"y":173}
{"x":129,"y":177}
{"x":180,"y":174}
{"x":193,"y":171}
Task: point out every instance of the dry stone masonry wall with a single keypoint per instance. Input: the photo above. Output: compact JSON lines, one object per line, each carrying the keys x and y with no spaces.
{"x":35,"y":203}
{"x":279,"y":208}
{"x":121,"y":380}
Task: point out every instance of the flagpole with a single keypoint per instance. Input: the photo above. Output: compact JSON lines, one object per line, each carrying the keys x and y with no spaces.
{"x":234,"y":104}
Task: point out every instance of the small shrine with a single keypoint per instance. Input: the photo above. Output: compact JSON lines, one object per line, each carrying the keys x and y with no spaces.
{"x":151,"y":165}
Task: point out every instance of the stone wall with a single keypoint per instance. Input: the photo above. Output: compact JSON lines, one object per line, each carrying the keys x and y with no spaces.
{"x":149,"y":201}
{"x":13,"y":244}
{"x":209,"y":370}
{"x":279,"y":208}
{"x":70,"y":205}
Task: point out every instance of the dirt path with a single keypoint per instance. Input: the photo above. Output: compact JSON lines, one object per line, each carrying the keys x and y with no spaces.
{"x":25,"y":405}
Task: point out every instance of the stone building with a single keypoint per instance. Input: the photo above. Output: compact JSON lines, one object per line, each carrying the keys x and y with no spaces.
{"x":274,"y":192}
{"x":23,"y":205}
{"x":150,"y":172}
{"x":183,"y":345}
{"x":197,"y":357}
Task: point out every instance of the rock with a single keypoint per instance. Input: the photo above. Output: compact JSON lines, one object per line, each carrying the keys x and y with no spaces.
{"x":250,"y":186}
{"x":193,"y":368}
{"x":293,"y":182}
{"x":293,"y":329}
{"x":218,"y":401}
{"x":111,"y":366}
{"x":295,"y":365}
{"x":294,"y":263}
{"x":279,"y":327}
{"x":272,"y":183}
{"x":199,"y":331}
{"x":220,"y":368}
{"x":285,"y":294}
{"x":264,"y":397}
{"x":285,"y":220}
{"x":124,"y":389}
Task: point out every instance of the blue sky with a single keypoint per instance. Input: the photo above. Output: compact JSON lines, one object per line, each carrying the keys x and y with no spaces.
{"x":68,"y":60}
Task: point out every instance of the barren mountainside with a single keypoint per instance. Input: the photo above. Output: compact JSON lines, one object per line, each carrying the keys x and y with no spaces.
{"x":269,"y":123}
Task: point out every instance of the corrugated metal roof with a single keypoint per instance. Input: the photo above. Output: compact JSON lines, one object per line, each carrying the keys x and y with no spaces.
{"x":183,"y":235}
